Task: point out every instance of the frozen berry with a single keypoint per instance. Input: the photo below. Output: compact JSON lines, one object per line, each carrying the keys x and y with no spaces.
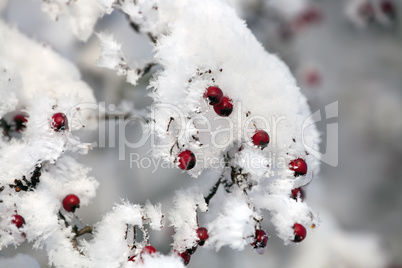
{"x":296,"y":192}
{"x":59,"y":122}
{"x":132,"y":258}
{"x":300,"y":232}
{"x":312,"y":78}
{"x":71,"y":202}
{"x":224,"y":108}
{"x":214,"y":95}
{"x":261,"y":139}
{"x":186,"y":160}
{"x":148,"y":250}
{"x":366,"y":10}
{"x":202,"y":234}
{"x":299,"y":166}
{"x":20,"y":121}
{"x":260,"y":239}
{"x":387,"y":7}
{"x":18,"y":220}
{"x":310,"y":15}
{"x":185,"y":256}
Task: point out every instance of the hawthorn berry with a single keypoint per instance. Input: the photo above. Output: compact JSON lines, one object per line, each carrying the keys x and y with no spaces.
{"x":295,"y":193}
{"x":312,"y":78}
{"x":224,"y":108}
{"x":388,"y":8}
{"x":310,"y":15}
{"x":186,"y":160}
{"x":59,"y":122}
{"x":299,"y":166}
{"x":148,"y":250}
{"x":260,"y":239}
{"x":132,"y":258}
{"x":20,"y":120}
{"x":214,"y":95}
{"x":71,"y":202}
{"x":185,"y":256}
{"x":300,"y":232}
{"x":18,"y":220}
{"x":202,"y":234}
{"x":261,"y":139}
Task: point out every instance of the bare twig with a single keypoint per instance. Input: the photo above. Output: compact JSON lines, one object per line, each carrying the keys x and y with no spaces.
{"x":213,"y":190}
{"x":86,"y":230}
{"x":136,"y":27}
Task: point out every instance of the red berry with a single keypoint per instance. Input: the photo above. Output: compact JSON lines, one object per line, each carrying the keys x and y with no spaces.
{"x":313,"y":78}
{"x":132,"y":258}
{"x":311,"y":15}
{"x":299,"y":166}
{"x":260,"y":239}
{"x":261,"y":139}
{"x":186,"y":160}
{"x":71,"y":202}
{"x":224,"y":108}
{"x":148,"y":250}
{"x":300,"y":232}
{"x":18,"y":220}
{"x":59,"y":122}
{"x":214,"y":95}
{"x":20,"y":121}
{"x":387,"y":7}
{"x":202,"y":234}
{"x":295,"y":193}
{"x":185,"y":257}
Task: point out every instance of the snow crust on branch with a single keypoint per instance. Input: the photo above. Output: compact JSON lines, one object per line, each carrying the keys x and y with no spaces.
{"x":110,"y":232}
{"x":112,"y":57}
{"x":235,"y":224}
{"x":183,"y":217}
{"x":80,"y":16}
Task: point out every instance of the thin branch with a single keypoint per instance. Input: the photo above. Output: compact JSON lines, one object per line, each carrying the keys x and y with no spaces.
{"x":86,"y":230}
{"x":168,"y":126}
{"x":64,"y":219}
{"x":146,"y":69}
{"x":136,"y":27}
{"x":213,"y":190}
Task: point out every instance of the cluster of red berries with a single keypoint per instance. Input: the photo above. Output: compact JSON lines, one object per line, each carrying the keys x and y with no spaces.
{"x":202,"y":234}
{"x":223,"y":106}
{"x":261,"y":237}
{"x":58,"y":123}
